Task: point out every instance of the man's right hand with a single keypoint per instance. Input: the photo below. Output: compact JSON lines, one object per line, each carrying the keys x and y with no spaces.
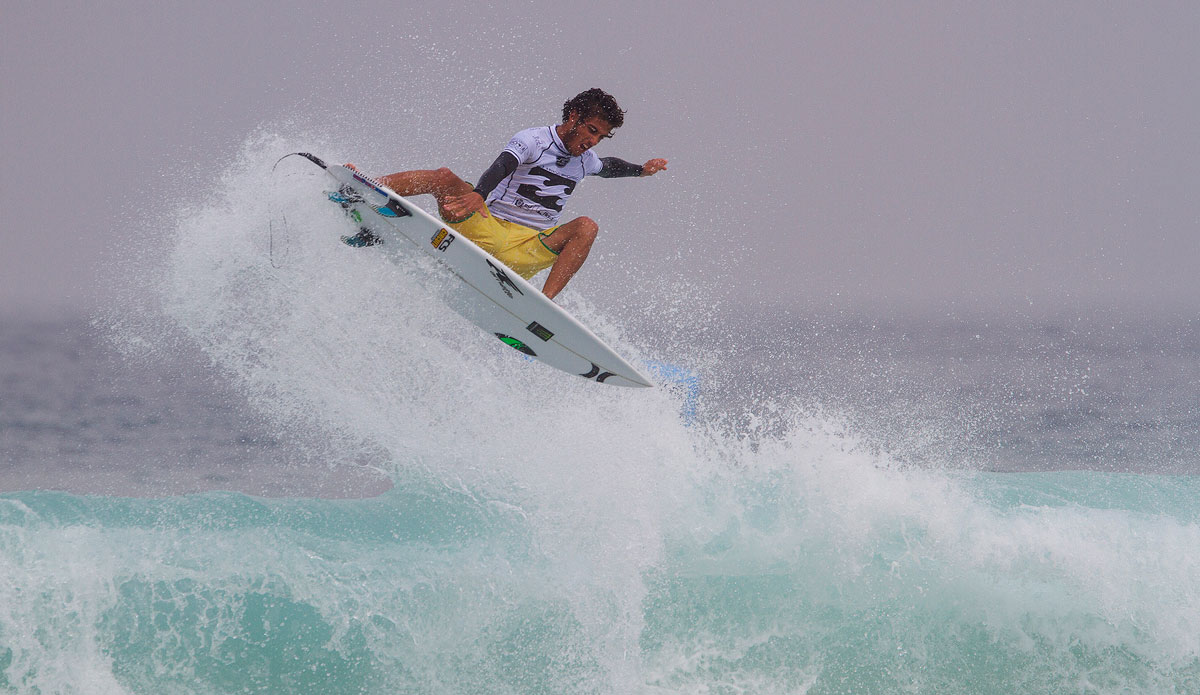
{"x":462,"y":206}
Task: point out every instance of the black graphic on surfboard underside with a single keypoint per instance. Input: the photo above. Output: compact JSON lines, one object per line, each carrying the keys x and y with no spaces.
{"x":595,"y":373}
{"x":505,"y":281}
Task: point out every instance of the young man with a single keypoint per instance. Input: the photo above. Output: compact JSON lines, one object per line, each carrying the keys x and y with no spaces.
{"x":513,"y":211}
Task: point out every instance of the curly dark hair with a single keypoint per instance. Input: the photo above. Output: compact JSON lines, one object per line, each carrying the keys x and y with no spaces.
{"x":595,"y":102}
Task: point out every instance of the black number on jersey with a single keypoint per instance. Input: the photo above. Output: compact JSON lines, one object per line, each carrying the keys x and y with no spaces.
{"x":529,"y":191}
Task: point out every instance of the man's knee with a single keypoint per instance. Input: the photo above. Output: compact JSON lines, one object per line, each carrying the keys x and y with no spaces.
{"x":445,"y":177}
{"x":445,"y":182}
{"x":585,"y":228}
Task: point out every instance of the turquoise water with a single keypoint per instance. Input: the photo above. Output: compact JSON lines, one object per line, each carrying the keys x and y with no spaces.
{"x":793,"y":579}
{"x":546,"y":535}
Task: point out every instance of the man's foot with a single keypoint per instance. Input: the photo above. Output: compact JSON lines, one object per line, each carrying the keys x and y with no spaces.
{"x":365,"y":237}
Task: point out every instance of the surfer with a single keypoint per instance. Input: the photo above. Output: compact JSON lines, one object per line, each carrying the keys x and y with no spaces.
{"x":513,"y":212}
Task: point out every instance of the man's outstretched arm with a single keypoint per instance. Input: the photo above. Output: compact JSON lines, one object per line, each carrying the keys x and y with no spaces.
{"x":615,"y":167}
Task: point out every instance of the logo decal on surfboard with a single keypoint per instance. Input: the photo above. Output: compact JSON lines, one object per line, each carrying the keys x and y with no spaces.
{"x":516,"y":344}
{"x":595,"y":373}
{"x":505,"y":281}
{"x":539,"y":330}
{"x":441,"y":241}
{"x":393,"y":209}
{"x":369,"y":182}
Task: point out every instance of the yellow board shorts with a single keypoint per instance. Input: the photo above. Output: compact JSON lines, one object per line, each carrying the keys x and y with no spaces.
{"x":519,"y":247}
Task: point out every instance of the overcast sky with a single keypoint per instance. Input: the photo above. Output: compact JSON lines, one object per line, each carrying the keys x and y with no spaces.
{"x":896,"y":156}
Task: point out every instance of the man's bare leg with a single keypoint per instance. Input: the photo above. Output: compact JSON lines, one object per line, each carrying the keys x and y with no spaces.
{"x":572,"y":241}
{"x":437,"y":182}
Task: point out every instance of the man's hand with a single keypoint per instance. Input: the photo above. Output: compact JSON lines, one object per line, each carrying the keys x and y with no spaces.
{"x":653,"y":166}
{"x":461,"y":206}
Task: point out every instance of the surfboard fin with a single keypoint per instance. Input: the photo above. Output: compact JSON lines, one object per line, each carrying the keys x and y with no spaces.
{"x":345,"y":196}
{"x":365,"y":237}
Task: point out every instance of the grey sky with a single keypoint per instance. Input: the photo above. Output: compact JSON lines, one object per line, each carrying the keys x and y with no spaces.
{"x":1025,"y":156}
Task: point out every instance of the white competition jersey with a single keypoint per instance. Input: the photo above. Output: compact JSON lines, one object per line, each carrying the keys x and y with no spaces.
{"x":534,"y":194}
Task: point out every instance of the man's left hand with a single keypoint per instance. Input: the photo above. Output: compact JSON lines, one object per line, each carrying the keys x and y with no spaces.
{"x":653,"y":166}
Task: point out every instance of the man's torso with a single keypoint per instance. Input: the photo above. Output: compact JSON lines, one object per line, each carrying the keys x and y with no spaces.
{"x":546,"y":175}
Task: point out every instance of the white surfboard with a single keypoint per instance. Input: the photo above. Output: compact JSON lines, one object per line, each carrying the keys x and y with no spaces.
{"x":491,"y":295}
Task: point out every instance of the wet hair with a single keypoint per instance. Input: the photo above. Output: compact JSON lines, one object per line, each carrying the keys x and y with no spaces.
{"x":595,"y":102}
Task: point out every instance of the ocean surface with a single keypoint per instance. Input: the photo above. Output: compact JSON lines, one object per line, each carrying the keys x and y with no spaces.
{"x":279,"y":465}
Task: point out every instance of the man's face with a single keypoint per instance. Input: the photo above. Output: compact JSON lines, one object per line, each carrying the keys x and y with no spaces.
{"x":582,"y":134}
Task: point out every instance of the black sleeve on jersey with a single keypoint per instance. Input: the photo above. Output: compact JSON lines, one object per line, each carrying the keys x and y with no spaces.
{"x":500,"y":169}
{"x":616,"y":168}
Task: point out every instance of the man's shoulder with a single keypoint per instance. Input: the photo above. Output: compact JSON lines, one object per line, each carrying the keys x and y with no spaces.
{"x":530,"y":141}
{"x":541,"y":132}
